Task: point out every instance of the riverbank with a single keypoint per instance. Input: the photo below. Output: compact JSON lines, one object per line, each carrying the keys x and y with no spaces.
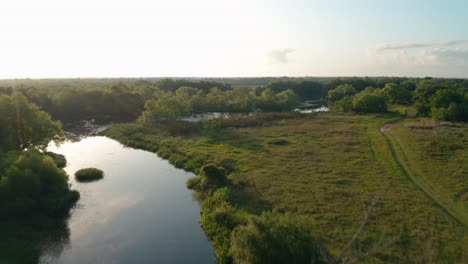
{"x":323,"y":168}
{"x":140,"y":211}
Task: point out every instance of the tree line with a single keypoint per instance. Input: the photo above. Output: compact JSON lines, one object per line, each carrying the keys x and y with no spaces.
{"x":436,"y":98}
{"x":126,"y":99}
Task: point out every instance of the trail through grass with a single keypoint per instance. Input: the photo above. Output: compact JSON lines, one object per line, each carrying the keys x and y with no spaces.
{"x":433,"y":192}
{"x":326,"y":168}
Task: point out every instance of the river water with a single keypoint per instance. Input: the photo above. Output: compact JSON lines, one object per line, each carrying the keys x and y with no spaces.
{"x":141,"y":212}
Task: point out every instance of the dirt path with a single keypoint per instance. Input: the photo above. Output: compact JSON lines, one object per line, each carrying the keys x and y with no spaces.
{"x":407,"y":168}
{"x":389,"y":126}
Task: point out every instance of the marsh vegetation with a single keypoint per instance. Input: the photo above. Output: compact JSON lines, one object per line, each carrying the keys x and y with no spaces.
{"x":89,"y":174}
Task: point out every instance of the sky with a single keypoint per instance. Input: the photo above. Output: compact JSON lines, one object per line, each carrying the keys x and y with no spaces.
{"x":242,"y":38}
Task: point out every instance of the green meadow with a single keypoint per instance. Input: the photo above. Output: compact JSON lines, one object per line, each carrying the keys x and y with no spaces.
{"x":330,"y":170}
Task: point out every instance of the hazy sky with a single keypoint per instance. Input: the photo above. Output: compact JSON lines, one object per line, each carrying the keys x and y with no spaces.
{"x":143,"y":38}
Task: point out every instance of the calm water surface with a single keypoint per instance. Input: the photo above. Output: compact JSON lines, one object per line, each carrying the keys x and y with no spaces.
{"x":141,"y":212}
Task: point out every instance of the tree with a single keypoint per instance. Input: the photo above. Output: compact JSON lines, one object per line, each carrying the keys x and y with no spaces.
{"x":169,"y":107}
{"x":340,"y":92}
{"x":369,"y":101}
{"x":396,"y":94}
{"x":31,"y":182}
{"x":23,"y":125}
{"x":287,"y":99}
{"x":423,"y":92}
{"x":449,"y":104}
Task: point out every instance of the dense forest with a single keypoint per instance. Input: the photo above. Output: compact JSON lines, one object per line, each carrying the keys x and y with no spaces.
{"x":125,"y":99}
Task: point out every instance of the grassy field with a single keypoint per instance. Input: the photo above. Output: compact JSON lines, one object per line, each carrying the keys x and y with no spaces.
{"x":326,"y":168}
{"x":435,"y":156}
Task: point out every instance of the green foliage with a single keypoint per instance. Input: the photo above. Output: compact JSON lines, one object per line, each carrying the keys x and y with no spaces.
{"x":434,"y":154}
{"x":306,"y":89}
{"x":211,"y":126}
{"x":34,"y":192}
{"x":369,"y":101}
{"x":31,"y":182}
{"x":331,"y":165}
{"x":340,"y":92}
{"x":343,"y":105}
{"x":219,"y":218}
{"x":273,"y":238}
{"x":166,"y":108}
{"x":186,"y":100}
{"x":449,"y":104}
{"x":397,"y":94}
{"x":116,"y":102}
{"x":425,"y":89}
{"x":89,"y":174}
{"x":341,"y":98}
{"x":23,"y":125}
{"x":212,"y":177}
{"x":59,"y":159}
{"x":442,"y":99}
{"x":193,"y":183}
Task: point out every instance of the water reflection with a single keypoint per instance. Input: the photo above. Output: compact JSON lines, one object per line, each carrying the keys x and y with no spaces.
{"x":312,"y":106}
{"x":141,"y":212}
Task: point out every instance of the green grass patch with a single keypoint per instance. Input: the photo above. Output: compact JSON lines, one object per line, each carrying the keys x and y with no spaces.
{"x":435,"y":155}
{"x":89,"y":174}
{"x":322,"y":168}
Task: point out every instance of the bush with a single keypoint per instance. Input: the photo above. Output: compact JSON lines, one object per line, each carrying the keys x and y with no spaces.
{"x":193,"y":183}
{"x":89,"y":174}
{"x":59,"y":159}
{"x":211,"y":126}
{"x":219,"y":218}
{"x":31,"y":182}
{"x":212,"y":177}
{"x":273,"y":238}
{"x":342,"y":105}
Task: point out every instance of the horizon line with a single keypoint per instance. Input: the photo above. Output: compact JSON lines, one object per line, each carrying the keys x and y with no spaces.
{"x":224,"y":77}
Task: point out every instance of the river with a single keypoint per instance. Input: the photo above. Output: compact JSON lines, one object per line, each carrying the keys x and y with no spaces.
{"x":141,"y":212}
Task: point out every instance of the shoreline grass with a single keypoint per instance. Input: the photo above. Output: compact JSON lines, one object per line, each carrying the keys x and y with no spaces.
{"x":331,"y":166}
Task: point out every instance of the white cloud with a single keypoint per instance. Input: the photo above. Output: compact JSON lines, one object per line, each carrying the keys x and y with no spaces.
{"x":402,"y":46}
{"x":281,"y":55}
{"x":449,"y":53}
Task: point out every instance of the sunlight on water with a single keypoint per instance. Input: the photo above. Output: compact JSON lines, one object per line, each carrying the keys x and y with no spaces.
{"x":141,"y":212}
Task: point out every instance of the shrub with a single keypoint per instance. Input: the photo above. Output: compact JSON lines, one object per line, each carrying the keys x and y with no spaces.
{"x":273,"y":238}
{"x":89,"y":174}
{"x":219,"y":218}
{"x":59,"y":159}
{"x":212,"y":177}
{"x":211,"y":126}
{"x":342,"y":105}
{"x":193,"y":183}
{"x":278,"y":142}
{"x":31,"y":182}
